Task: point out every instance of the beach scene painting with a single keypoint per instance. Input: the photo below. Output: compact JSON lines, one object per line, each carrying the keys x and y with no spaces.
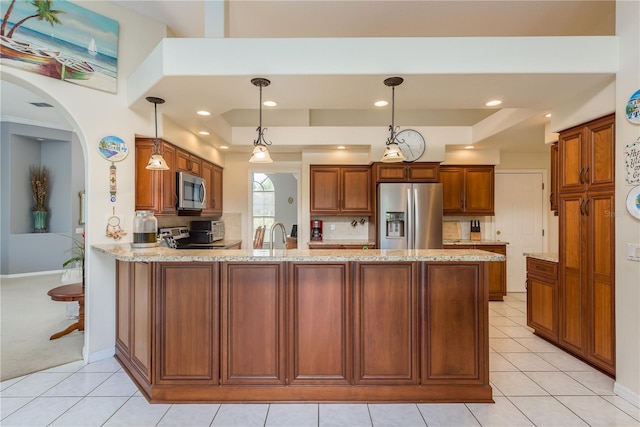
{"x":61,"y":40}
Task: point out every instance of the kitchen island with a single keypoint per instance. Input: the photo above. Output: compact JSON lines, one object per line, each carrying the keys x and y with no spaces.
{"x":303,"y":325}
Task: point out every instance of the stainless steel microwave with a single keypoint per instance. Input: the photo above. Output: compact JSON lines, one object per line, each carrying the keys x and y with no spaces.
{"x":191,"y":192}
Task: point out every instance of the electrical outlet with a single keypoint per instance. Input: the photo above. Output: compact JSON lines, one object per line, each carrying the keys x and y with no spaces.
{"x":633,"y":251}
{"x":333,"y":227}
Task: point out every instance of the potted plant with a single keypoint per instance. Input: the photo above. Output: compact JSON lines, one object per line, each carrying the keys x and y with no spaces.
{"x":39,"y":189}
{"x":77,"y":258}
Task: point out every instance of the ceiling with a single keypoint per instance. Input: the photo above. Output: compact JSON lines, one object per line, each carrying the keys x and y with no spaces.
{"x":422,"y":100}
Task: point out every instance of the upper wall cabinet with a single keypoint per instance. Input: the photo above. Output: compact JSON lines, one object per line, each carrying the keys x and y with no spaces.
{"x":553,"y":193}
{"x":187,"y":162}
{"x":467,"y":190}
{"x":406,"y":172}
{"x":587,"y":156}
{"x":340,"y":190}
{"x":155,"y":190}
{"x":212,"y":175}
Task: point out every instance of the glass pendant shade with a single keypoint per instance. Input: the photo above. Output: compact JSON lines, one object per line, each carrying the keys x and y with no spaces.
{"x":157,"y":163}
{"x":392,"y":154}
{"x":260,"y":154}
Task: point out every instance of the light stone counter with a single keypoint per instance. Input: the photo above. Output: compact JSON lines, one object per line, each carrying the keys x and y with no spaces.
{"x":475,"y":242}
{"x":124,"y":252}
{"x":546,"y":256}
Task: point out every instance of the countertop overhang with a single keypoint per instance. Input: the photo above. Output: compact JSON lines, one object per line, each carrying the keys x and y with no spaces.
{"x":124,"y":252}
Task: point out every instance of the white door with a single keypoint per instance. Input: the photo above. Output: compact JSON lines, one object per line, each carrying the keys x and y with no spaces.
{"x":519,"y":205}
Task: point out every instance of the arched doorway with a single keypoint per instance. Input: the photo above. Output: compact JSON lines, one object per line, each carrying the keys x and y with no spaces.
{"x":36,"y":132}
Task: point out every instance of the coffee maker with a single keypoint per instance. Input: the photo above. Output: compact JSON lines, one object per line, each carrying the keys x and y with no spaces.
{"x":316,"y":230}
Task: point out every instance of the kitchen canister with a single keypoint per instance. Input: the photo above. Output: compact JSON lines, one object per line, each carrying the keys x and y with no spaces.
{"x":145,"y":230}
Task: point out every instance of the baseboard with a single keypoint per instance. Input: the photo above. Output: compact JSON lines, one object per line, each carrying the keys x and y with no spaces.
{"x":37,"y":273}
{"x":626,"y":394}
{"x":98,"y":355}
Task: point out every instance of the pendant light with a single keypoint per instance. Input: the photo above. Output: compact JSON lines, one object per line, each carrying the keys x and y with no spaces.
{"x":392,"y":153}
{"x":260,"y":152}
{"x":156,"y":162}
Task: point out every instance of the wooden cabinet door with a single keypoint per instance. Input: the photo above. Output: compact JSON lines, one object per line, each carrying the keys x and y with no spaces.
{"x":600,"y":169}
{"x":187,"y":162}
{"x":571,"y":150}
{"x":124,"y":287}
{"x":148,"y":184}
{"x":253,"y":323}
{"x":169,"y":199}
{"x":572,"y":286}
{"x":452,"y":179}
{"x":599,"y":211}
{"x":356,"y":190}
{"x":325,"y":190}
{"x":423,"y":172}
{"x":479,"y":190}
{"x":155,"y":190}
{"x":497,"y":272}
{"x":141,"y":319}
{"x":320,"y":339}
{"x":542,"y":298}
{"x":216,"y":191}
{"x":553,"y":191}
{"x":391,"y":172}
{"x":207,"y":177}
{"x":385,"y":323}
{"x":454,"y":337}
{"x":187,"y":319}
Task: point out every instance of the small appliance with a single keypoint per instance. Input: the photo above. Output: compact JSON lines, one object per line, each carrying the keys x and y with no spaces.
{"x":191,"y":192}
{"x":180,"y":238}
{"x":206,"y":231}
{"x":316,"y":230}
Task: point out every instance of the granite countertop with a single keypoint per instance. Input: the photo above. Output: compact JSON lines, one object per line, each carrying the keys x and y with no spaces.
{"x":124,"y":252}
{"x":474,"y":242}
{"x":544,"y":256}
{"x":342,"y":242}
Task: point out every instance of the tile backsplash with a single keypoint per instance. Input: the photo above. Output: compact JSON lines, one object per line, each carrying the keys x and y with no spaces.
{"x":341,"y":228}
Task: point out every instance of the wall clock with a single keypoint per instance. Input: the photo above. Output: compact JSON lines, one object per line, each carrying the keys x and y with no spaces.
{"x":411,"y":144}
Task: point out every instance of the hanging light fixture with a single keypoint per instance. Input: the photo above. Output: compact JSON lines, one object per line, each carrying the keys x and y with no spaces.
{"x":260,"y":152}
{"x":156,"y":162}
{"x":393,"y":154}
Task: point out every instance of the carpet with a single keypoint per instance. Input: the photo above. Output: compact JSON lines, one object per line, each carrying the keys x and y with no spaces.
{"x":28,"y":318}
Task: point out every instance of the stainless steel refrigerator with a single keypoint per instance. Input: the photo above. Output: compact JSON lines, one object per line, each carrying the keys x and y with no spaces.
{"x":410,"y":216}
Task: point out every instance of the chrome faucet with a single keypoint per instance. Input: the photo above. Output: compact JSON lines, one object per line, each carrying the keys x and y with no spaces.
{"x":284,"y":234}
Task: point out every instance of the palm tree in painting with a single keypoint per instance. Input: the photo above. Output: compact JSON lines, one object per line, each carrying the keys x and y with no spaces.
{"x":6,"y":18}
{"x":44,"y":12}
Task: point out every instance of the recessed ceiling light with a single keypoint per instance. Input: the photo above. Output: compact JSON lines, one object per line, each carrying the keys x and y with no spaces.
{"x":270,"y":103}
{"x":469,"y":147}
{"x":224,"y":147}
{"x":493,"y":103}
{"x":204,"y":113}
{"x":204,"y":132}
{"x":381,"y":103}
{"x":547,"y":115}
{"x":341,"y":147}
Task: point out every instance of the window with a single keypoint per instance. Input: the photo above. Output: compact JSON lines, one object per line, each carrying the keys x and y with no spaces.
{"x":264,"y":203}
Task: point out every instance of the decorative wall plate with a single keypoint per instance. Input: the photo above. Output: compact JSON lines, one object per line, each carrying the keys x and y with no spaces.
{"x":113,"y":148}
{"x":632,"y":111}
{"x":633,"y":202}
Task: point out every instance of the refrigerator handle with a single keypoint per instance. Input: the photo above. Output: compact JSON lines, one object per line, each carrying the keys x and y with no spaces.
{"x":410,"y":221}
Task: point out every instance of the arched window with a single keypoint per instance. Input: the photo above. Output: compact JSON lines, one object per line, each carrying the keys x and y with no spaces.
{"x":264,"y":203}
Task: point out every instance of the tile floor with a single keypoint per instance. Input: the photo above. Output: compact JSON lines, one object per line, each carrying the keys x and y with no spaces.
{"x":534,"y":384}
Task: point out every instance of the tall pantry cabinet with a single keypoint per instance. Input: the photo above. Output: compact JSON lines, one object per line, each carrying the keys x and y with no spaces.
{"x":586,"y":211}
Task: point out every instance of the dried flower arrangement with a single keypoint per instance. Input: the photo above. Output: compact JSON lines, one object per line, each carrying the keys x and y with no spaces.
{"x":39,"y":187}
